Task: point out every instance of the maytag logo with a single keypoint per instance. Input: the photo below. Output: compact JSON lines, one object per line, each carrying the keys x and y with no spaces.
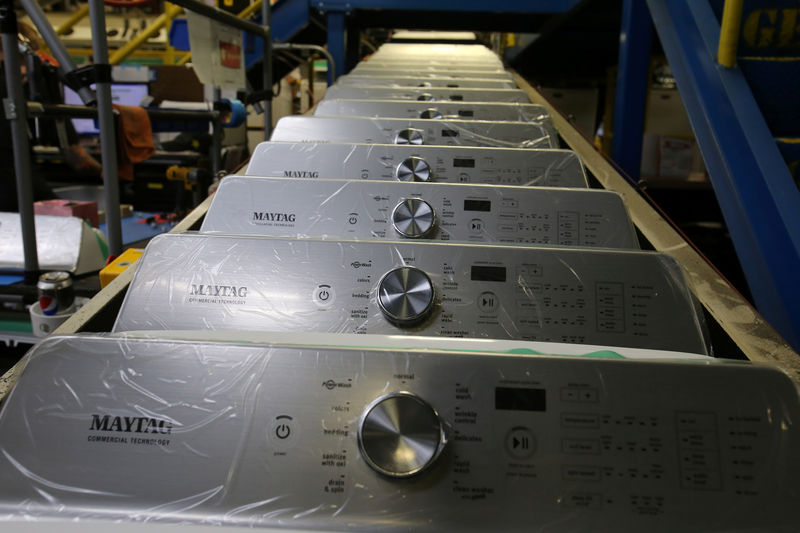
{"x":265,"y":216}
{"x":300,"y":174}
{"x":130,"y":424}
{"x":226,"y":291}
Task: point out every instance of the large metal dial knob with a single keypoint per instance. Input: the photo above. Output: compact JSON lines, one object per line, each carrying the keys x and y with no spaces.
{"x":408,"y":136}
{"x":431,"y":112}
{"x":406,"y":296}
{"x":426,"y":97}
{"x":413,"y":169}
{"x":413,"y":218}
{"x":400,"y":435}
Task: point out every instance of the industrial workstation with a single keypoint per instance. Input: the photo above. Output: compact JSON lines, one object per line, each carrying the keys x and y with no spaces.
{"x":399,"y":265}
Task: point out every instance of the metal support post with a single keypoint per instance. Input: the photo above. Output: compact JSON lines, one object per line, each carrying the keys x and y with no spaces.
{"x":336,"y":40}
{"x":65,"y":63}
{"x":216,"y":144}
{"x":108,"y":138}
{"x":755,"y":190}
{"x":352,"y":46}
{"x":16,"y":113}
{"x":635,"y":38}
{"x":266,"y":17}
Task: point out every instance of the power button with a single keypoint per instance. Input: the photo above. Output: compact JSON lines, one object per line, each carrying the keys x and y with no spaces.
{"x":282,"y":430}
{"x":323,"y":295}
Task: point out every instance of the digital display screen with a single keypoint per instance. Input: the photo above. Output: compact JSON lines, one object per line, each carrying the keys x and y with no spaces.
{"x":121,"y":93}
{"x":449,"y":133}
{"x":464,"y":163}
{"x":488,"y":273}
{"x":477,"y":205}
{"x":465,"y":113}
{"x":516,"y":399}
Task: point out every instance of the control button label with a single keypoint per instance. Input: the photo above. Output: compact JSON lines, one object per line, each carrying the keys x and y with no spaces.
{"x":583,"y":499}
{"x":520,"y":442}
{"x":580,"y":446}
{"x":476,"y":225}
{"x":581,"y":473}
{"x":579,"y":420}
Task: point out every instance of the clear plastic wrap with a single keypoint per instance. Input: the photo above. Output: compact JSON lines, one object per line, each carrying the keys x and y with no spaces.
{"x":467,"y":69}
{"x":604,"y":297}
{"x":427,"y":72}
{"x":444,"y":164}
{"x":430,"y":94}
{"x":429,"y":81}
{"x":62,"y":243}
{"x":381,"y":210}
{"x":444,"y":110}
{"x":131,"y":430}
{"x":415,"y":132}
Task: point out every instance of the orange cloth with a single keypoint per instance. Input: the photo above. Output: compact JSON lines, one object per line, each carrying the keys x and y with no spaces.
{"x":134,"y":139}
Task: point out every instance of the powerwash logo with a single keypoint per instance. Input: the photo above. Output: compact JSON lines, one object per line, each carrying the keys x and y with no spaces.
{"x":217,"y":294}
{"x":126,"y":430}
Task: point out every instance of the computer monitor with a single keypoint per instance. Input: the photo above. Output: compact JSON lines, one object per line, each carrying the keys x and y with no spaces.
{"x":121,"y":93}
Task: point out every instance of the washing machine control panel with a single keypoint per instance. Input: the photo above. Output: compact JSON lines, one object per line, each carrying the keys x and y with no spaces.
{"x":322,"y":129}
{"x":245,"y":434}
{"x":606,"y":297}
{"x":380,"y":210}
{"x":412,"y":109}
{"x":430,"y":81}
{"x":442,"y":164}
{"x":430,"y":94}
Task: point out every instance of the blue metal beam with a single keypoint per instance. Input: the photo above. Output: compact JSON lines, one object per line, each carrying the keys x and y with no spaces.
{"x":635,"y":38}
{"x":475,"y":6}
{"x":337,"y":26}
{"x":758,"y":198}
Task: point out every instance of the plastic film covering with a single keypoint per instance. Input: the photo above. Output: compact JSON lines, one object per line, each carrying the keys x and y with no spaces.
{"x":470,"y":70}
{"x":158,"y":432}
{"x":605,"y":297}
{"x":441,"y":164}
{"x":500,"y":134}
{"x":62,"y":243}
{"x":415,"y":81}
{"x":412,"y":109}
{"x":425,"y":73}
{"x":431,"y":94}
{"x":379,"y":210}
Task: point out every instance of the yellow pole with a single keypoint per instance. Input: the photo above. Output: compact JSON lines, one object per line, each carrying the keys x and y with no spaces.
{"x":73,"y":19}
{"x":729,"y":33}
{"x":170,"y":13}
{"x":245,"y":13}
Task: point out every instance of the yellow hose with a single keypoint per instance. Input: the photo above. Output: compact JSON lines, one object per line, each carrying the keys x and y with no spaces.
{"x":73,"y":19}
{"x":170,"y":13}
{"x":729,"y":33}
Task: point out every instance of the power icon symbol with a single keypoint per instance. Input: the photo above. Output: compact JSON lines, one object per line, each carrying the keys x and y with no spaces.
{"x":282,"y":431}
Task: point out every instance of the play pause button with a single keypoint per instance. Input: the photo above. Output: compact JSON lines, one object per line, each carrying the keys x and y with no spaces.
{"x":520,"y":442}
{"x":476,"y":225}
{"x":488,"y":302}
